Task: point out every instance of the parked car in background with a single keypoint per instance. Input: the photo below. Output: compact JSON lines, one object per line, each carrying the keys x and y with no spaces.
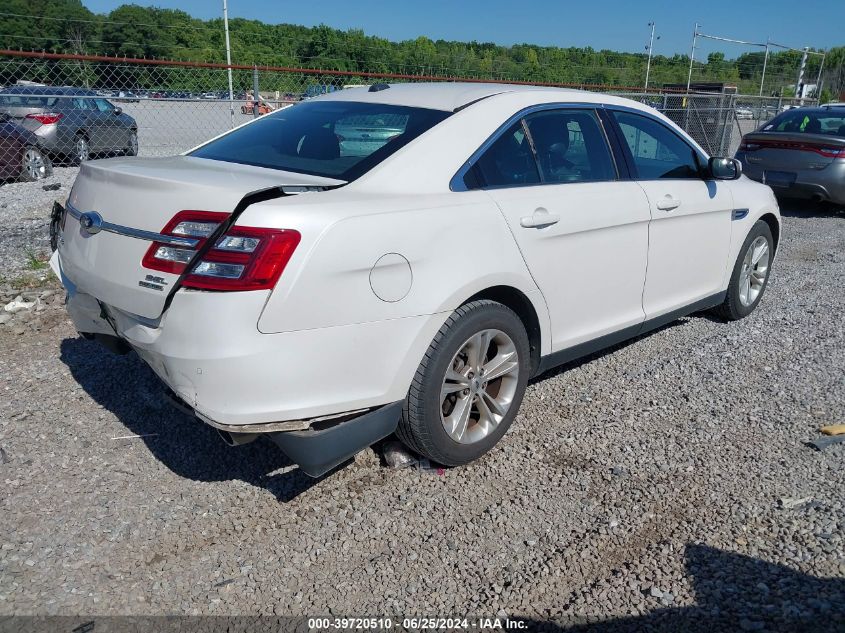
{"x":283,"y":283}
{"x":800,"y":154}
{"x":20,"y":156}
{"x":744,"y":112}
{"x":127,"y":96}
{"x":248,"y":107}
{"x":71,"y":122}
{"x":315,"y":90}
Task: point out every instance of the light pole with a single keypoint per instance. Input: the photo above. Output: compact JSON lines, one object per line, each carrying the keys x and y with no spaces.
{"x":229,"y":62}
{"x":692,"y":54}
{"x":765,"y":63}
{"x":650,"y":49}
{"x":799,"y":86}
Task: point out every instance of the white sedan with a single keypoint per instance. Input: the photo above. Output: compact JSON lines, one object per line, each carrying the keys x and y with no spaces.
{"x":404,"y":258}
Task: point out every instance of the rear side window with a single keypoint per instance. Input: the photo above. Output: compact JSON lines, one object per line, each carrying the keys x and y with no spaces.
{"x":657,"y":151}
{"x":83,"y":104}
{"x":570,"y":146}
{"x":335,"y":139}
{"x":28,"y":101}
{"x":508,"y":162}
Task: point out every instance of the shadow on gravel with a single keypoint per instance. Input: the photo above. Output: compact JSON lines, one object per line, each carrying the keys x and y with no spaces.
{"x":810,"y":209}
{"x":127,"y":387}
{"x":737,"y":593}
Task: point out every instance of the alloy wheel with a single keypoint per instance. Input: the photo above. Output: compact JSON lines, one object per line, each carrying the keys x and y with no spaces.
{"x":479,"y":386}
{"x":755,"y":268}
{"x":34,"y":164}
{"x":83,"y":150}
{"x":133,"y":144}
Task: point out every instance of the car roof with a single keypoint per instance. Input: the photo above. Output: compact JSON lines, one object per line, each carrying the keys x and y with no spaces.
{"x":48,"y":90}
{"x":815,"y":110}
{"x":445,"y":95}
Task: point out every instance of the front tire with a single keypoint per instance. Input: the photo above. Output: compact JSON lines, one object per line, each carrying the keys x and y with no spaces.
{"x":132,"y":145}
{"x":34,"y":165}
{"x":81,"y":149}
{"x":469,"y":385}
{"x":750,"y":274}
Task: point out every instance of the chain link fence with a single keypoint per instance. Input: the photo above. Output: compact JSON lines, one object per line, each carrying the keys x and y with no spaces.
{"x":65,"y":108}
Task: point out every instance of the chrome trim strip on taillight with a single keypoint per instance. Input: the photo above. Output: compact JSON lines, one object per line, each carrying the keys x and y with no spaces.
{"x":92,"y":222}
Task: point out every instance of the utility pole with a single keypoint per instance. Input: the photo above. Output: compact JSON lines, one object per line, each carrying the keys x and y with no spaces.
{"x":765,"y":63}
{"x":692,"y":54}
{"x":819,"y":82}
{"x":650,"y":49}
{"x":799,"y":87}
{"x":229,"y":62}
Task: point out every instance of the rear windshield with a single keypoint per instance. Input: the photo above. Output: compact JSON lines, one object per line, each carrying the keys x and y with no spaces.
{"x":832,"y":123}
{"x":335,"y":139}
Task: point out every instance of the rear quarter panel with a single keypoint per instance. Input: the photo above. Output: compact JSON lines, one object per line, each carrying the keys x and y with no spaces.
{"x":456,"y":245}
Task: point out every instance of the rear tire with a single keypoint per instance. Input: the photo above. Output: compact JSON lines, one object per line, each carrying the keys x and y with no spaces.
{"x":750,"y":274}
{"x":455,"y":412}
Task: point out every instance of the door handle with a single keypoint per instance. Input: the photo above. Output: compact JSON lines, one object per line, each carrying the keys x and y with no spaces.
{"x":668,"y":203}
{"x":539,"y":219}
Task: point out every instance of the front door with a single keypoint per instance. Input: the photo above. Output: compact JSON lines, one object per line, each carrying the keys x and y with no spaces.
{"x":690,"y":229}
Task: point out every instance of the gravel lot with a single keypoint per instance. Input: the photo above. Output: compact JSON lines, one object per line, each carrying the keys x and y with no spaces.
{"x":663,"y":485}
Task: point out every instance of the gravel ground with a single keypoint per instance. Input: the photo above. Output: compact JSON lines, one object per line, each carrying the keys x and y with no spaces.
{"x":663,"y":485}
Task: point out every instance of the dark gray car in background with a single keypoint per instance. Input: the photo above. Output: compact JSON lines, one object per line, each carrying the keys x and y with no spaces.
{"x":71,"y":122}
{"x":799,"y":154}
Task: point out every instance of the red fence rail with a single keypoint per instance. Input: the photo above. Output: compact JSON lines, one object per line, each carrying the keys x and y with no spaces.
{"x":306,"y":71}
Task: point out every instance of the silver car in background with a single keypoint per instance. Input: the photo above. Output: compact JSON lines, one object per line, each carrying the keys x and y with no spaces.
{"x":799,"y":154}
{"x":71,"y":122}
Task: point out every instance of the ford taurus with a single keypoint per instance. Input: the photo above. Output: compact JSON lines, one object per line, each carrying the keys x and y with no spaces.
{"x":404,"y":258}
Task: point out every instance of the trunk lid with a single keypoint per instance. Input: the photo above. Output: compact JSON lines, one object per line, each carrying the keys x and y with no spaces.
{"x":143,"y":194}
{"x":791,"y":151}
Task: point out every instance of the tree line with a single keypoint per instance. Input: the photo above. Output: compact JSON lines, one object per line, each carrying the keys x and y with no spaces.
{"x":67,"y":26}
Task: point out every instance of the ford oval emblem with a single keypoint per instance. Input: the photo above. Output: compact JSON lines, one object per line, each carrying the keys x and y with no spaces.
{"x":91,"y":222}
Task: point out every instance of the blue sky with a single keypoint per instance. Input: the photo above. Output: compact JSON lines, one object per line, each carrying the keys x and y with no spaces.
{"x":612,"y":24}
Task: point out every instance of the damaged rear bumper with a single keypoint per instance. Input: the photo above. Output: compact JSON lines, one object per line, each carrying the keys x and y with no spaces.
{"x":317,"y":445}
{"x":289,"y":387}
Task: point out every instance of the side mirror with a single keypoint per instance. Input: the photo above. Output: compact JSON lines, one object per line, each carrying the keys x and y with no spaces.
{"x":117,"y":110}
{"x":724,"y":168}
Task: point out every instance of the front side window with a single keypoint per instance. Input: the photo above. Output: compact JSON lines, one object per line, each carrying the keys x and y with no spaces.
{"x":657,"y":151}
{"x":335,"y":139}
{"x":103,"y":105}
{"x":570,"y":146}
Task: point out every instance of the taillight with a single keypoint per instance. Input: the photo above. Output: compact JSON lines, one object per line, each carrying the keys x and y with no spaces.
{"x":748,"y":146}
{"x":245,"y":258}
{"x":800,"y":146}
{"x":832,"y":152}
{"x":46,"y":118}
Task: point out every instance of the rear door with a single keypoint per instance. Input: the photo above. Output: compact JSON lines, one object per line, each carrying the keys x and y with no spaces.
{"x":690,"y":230}
{"x":92,"y":121}
{"x":582,"y":231}
{"x":115,"y":135}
